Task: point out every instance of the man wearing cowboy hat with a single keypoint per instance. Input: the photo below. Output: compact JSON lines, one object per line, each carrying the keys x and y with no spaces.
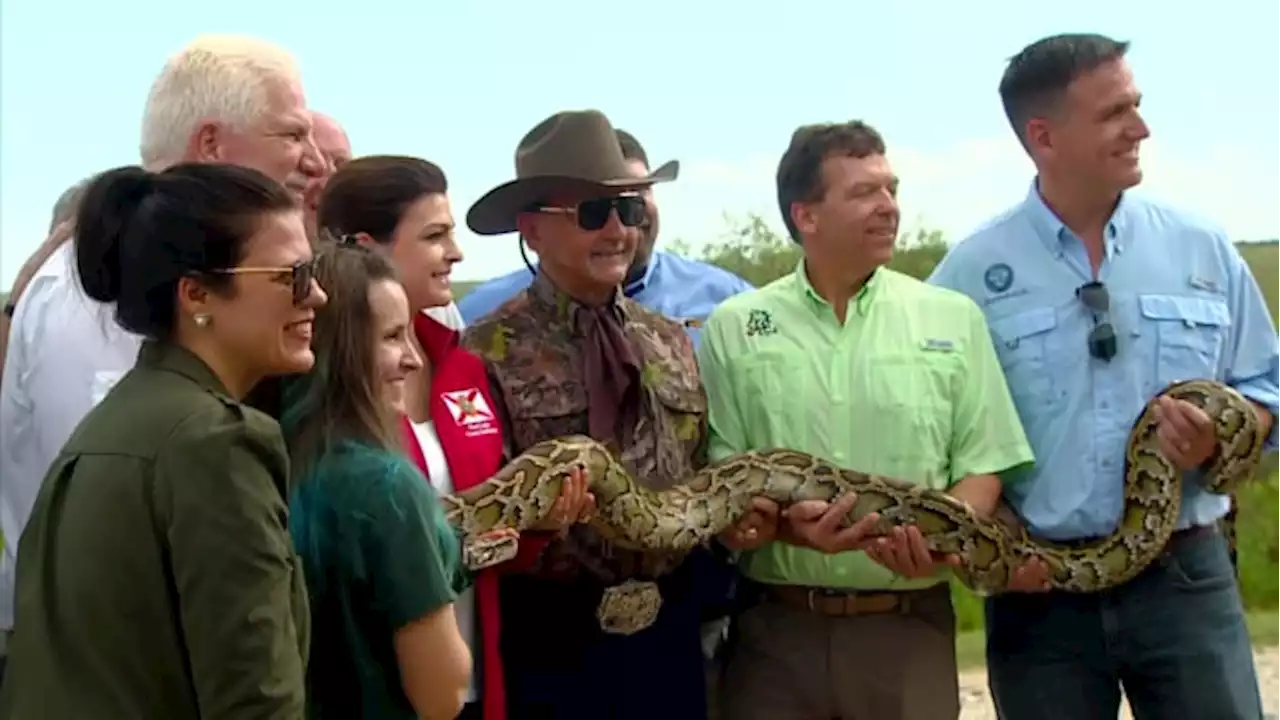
{"x":683,"y":289}
{"x":572,"y":355}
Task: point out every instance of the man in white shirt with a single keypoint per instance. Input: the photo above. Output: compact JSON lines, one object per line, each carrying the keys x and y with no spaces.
{"x":220,"y":99}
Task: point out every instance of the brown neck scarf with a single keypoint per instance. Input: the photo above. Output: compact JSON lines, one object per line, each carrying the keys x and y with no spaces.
{"x":612,"y":372}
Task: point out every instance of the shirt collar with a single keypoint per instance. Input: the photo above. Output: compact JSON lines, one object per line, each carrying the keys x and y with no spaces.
{"x":177,"y":359}
{"x":545,"y":294}
{"x":436,"y":338}
{"x":861,"y":301}
{"x":1053,"y":233}
{"x":636,"y":286}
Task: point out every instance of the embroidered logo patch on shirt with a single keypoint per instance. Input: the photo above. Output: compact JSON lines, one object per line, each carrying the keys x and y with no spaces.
{"x":1205,"y":284}
{"x":760,"y":322}
{"x":936,"y":345}
{"x":468,"y":407}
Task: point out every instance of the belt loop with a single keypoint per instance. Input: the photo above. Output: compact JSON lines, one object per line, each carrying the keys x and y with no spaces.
{"x":904,"y":604}
{"x":809,"y":601}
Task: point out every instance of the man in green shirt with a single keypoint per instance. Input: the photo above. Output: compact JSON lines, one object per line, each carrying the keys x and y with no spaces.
{"x":875,"y":371}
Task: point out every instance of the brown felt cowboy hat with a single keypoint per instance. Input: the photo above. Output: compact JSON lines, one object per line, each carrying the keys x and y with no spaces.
{"x":571,"y":151}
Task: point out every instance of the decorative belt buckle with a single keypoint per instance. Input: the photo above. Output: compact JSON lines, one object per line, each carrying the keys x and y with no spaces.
{"x":629,"y":607}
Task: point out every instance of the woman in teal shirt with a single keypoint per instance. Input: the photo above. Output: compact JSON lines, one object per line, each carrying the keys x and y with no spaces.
{"x":381,"y":562}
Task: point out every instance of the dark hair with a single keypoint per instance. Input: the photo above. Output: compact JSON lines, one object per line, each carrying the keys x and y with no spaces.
{"x":800,"y":170}
{"x":370,"y":194}
{"x":339,"y":399}
{"x":1038,"y":76}
{"x":138,"y":233}
{"x":631,"y":147}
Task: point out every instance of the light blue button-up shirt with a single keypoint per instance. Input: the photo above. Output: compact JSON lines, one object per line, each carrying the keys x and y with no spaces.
{"x":684,"y":290}
{"x":1184,"y":305}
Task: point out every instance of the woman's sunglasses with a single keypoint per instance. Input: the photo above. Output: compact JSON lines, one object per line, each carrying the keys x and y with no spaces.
{"x":593,"y":214}
{"x":298,"y":276}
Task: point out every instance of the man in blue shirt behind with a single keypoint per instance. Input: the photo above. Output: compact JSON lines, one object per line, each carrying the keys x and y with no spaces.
{"x":682,"y":289}
{"x":1096,"y":299}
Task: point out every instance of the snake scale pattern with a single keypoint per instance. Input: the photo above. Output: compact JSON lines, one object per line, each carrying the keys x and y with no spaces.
{"x":714,"y":499}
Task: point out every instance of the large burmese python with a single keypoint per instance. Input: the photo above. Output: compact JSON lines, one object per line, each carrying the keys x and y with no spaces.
{"x":714,"y":499}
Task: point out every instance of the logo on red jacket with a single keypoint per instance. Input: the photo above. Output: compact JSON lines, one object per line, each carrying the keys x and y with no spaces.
{"x":470,"y":411}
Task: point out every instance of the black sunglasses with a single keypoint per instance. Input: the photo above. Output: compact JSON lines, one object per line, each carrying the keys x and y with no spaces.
{"x":299,"y":276}
{"x":593,"y":214}
{"x":1102,"y":338}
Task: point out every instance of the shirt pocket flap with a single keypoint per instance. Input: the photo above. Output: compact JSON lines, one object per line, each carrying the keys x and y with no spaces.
{"x":1009,"y":330}
{"x":545,"y":396}
{"x":681,"y":394}
{"x":1191,"y":311}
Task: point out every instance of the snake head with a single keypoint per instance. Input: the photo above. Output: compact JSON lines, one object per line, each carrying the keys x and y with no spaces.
{"x":489,"y":550}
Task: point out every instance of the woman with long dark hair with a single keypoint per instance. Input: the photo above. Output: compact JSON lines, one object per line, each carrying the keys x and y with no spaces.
{"x":156,"y":577}
{"x":398,"y":208}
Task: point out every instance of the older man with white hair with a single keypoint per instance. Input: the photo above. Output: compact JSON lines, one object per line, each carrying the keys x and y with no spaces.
{"x":220,"y":99}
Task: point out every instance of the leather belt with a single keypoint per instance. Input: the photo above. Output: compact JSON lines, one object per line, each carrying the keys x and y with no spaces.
{"x":844,"y":603}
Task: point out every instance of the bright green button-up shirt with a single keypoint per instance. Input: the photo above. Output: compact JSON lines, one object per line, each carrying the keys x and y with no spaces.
{"x":908,"y":387}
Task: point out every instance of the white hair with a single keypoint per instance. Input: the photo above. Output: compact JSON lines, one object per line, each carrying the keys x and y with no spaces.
{"x":217,"y":77}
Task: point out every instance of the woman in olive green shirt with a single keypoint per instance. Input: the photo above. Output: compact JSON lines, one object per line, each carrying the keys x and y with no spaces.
{"x":155,"y":577}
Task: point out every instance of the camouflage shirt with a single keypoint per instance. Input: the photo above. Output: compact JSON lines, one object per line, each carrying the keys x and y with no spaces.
{"x":534,"y":355}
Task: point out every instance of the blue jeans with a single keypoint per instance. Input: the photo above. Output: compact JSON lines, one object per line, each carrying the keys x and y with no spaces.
{"x":1174,"y":637}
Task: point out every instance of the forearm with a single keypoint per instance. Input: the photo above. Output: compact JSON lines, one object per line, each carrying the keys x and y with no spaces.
{"x":981,"y":492}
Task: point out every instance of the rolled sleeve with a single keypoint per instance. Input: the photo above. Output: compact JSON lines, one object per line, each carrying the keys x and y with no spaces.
{"x":726,"y":431}
{"x":988,"y":437}
{"x":412,"y":577}
{"x":1253,"y":363}
{"x":224,"y":482}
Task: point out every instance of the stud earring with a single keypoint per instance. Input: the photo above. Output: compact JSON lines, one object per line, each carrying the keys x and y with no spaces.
{"x":203,"y":320}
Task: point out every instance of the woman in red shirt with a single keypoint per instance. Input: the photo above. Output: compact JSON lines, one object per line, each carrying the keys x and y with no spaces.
{"x":400,"y":205}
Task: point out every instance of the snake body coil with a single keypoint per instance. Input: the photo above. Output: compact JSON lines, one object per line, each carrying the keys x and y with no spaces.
{"x":714,"y":499}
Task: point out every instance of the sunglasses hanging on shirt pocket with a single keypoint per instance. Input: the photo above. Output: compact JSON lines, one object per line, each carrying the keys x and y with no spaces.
{"x":1102,"y":338}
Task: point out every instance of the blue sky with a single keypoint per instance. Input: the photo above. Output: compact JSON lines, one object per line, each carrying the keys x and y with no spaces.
{"x":716,"y":85}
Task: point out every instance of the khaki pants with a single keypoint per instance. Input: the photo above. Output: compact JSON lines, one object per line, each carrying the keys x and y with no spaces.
{"x":792,"y":663}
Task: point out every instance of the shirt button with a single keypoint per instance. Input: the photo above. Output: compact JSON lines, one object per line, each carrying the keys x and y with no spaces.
{"x":1104,"y":405}
{"x":1106,"y":463}
{"x":839,"y":456}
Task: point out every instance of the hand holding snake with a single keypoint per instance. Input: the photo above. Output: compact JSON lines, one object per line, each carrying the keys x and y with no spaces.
{"x":991,"y":554}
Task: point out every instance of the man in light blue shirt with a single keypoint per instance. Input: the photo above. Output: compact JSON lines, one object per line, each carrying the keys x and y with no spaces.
{"x":682,"y":289}
{"x":1180,"y":303}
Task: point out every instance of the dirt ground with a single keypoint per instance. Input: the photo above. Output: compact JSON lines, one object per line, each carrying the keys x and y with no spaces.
{"x":975,"y":703}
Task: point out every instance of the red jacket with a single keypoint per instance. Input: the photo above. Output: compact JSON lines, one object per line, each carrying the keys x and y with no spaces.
{"x":461,"y":408}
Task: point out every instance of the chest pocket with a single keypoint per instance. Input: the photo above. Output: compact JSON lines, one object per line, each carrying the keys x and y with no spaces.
{"x":681,"y":399}
{"x":544,"y":405}
{"x":1024,"y":344}
{"x":1189,"y":334}
{"x":770,"y":398}
{"x":909,"y":395}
